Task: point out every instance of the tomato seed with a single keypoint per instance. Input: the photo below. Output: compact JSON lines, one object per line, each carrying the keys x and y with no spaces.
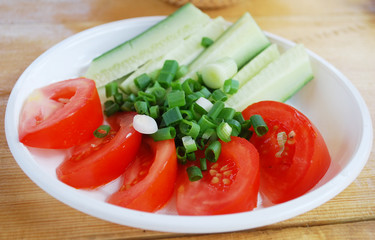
{"x":224,"y":168}
{"x":213,"y":172}
{"x":216,"y":165}
{"x":227,"y":173}
{"x":226,"y":181}
{"x":215,"y":180}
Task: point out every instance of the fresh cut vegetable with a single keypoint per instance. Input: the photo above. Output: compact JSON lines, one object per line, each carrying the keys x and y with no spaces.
{"x":293,"y":154}
{"x":193,"y":109}
{"x":149,"y":180}
{"x":229,"y":185}
{"x":101,"y":160}
{"x":280,"y":80}
{"x":55,"y":116}
{"x":154,"y":42}
{"x":187,"y":50}
{"x":241,"y":41}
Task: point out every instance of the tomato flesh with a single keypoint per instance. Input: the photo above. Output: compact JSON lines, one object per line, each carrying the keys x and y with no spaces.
{"x":102,"y":160}
{"x":56,"y":116}
{"x":150,"y":179}
{"x":291,"y":169}
{"x":228,"y":186}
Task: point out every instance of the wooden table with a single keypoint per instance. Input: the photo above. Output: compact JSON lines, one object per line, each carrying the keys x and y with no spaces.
{"x":341,"y":31}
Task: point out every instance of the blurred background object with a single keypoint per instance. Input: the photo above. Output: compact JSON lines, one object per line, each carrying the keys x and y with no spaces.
{"x":204,"y":4}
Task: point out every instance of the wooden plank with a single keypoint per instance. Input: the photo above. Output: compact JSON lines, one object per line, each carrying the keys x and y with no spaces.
{"x":358,"y":230}
{"x":327,"y":28}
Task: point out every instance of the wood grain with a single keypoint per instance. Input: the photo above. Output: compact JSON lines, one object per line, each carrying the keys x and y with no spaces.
{"x":341,"y":31}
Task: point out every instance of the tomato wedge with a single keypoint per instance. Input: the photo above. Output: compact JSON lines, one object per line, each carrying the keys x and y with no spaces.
{"x":56,"y":116}
{"x":149,"y":180}
{"x":102,"y":160}
{"x":228,"y":186}
{"x":291,"y":169}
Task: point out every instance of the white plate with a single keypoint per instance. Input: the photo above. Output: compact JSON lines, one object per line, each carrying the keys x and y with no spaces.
{"x":330,"y":101}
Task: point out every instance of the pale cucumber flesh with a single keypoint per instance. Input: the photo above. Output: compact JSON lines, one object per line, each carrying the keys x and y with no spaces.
{"x":152,"y":43}
{"x":241,"y":41}
{"x":214,"y":74}
{"x":258,"y":63}
{"x":184,"y":53}
{"x":278,"y":81}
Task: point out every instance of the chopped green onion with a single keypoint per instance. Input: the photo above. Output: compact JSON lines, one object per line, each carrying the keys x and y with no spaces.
{"x":172,"y":116}
{"x":226,"y":113}
{"x":216,"y":109}
{"x":231,"y":86}
{"x":187,"y":87}
{"x":189,"y":144}
{"x":154,"y":111}
{"x":205,"y":123}
{"x":190,"y":156}
{"x":102,"y":131}
{"x":181,"y":154}
{"x":191,"y":98}
{"x":127,"y":106}
{"x":167,"y":73}
{"x":176,"y":85}
{"x":238,"y":117}
{"x":260,"y":127}
{"x":206,"y":42}
{"x":147,"y":97}
{"x":219,"y":95}
{"x":236,"y":127}
{"x":190,"y":86}
{"x":119,"y":98}
{"x":176,"y":98}
{"x":158,"y":91}
{"x":189,"y":128}
{"x":165,"y":79}
{"x":182,"y":71}
{"x":132,"y":97}
{"x":187,"y":114}
{"x":170,"y":66}
{"x":246,"y":134}
{"x":194,"y":173}
{"x":203,"y":164}
{"x":224,"y":131}
{"x":206,"y":93}
{"x":110,"y":108}
{"x":213,"y":151}
{"x":111,"y":89}
{"x":197,"y":111}
{"x":164,"y":134}
{"x":145,"y":124}
{"x":209,"y":134}
{"x":246,"y":124}
{"x":204,"y":103}
{"x":141,"y":107}
{"x":142,"y":81}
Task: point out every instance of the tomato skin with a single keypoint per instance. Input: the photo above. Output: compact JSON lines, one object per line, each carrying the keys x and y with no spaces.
{"x":56,"y":116}
{"x":304,"y":161}
{"x":90,"y":168}
{"x":204,"y":197}
{"x":151,"y":190}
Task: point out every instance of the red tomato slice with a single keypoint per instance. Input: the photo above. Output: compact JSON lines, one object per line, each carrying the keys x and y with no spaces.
{"x":290,"y":172}
{"x":102,"y":160}
{"x":61,"y":115}
{"x":228,"y":186}
{"x":149,"y":180}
